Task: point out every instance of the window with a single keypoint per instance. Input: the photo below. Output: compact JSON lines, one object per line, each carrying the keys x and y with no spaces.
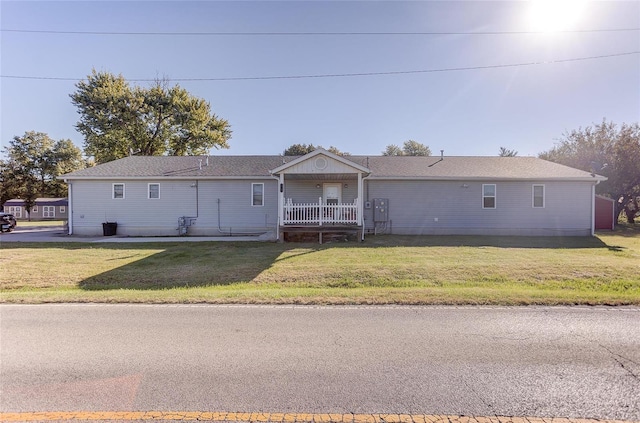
{"x":538,"y":196}
{"x":488,"y":196}
{"x":48,"y":211}
{"x":154,"y":191}
{"x":118,"y":191}
{"x":62,"y":209}
{"x":34,"y":209}
{"x":257,"y":194}
{"x":16,"y":211}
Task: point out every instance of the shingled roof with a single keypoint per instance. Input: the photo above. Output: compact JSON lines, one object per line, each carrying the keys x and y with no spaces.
{"x":381,"y":167}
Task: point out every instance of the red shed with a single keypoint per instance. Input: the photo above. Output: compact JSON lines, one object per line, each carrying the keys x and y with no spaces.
{"x":605,"y":212}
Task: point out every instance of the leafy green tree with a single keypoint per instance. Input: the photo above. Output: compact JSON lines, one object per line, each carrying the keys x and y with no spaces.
{"x":337,"y":152}
{"x":393,"y":150}
{"x":299,"y":149}
{"x":608,"y":150}
{"x":409,"y":148}
{"x":33,"y":162}
{"x":118,"y":120}
{"x":505,"y":152}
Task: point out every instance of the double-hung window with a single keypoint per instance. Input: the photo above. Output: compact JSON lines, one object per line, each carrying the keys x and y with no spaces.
{"x":118,"y":191}
{"x":154,"y":191}
{"x":488,"y":196}
{"x":49,"y":211}
{"x":257,"y":194}
{"x":538,"y":196}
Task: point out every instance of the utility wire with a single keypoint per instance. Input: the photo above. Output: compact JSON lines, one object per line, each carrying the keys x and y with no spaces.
{"x":281,"y":34}
{"x":341,"y":75}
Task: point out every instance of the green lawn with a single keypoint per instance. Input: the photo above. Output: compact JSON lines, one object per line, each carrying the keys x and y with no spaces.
{"x":382,"y":270}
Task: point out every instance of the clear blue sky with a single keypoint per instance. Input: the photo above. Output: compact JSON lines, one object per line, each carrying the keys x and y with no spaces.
{"x":466,"y":112}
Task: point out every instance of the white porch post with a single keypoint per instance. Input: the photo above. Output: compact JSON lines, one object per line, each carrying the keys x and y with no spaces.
{"x":360,"y":210}
{"x":280,"y":205}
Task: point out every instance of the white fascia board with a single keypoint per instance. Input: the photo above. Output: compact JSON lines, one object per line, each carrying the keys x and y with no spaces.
{"x":482,"y":178}
{"x":170,"y":178}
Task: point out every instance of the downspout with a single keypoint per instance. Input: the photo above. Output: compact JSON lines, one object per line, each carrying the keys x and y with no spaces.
{"x":364,"y":179}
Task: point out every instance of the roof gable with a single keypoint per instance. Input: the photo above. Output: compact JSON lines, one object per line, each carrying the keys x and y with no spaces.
{"x":320,"y":161}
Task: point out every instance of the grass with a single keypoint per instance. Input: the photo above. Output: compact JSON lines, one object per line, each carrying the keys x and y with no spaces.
{"x":382,"y":270}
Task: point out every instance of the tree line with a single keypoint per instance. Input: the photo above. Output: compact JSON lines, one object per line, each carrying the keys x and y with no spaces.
{"x":118,"y":119}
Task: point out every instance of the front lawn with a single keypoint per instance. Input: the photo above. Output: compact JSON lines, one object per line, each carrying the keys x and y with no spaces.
{"x":382,"y":270}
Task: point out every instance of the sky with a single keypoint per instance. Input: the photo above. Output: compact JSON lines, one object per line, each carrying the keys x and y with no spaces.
{"x":462,"y":99}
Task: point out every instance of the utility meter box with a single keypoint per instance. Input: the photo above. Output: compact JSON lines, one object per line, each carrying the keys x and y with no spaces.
{"x":380,"y":209}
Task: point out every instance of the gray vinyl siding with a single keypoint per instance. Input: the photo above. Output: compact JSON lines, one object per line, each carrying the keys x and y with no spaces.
{"x":301,"y":191}
{"x":414,"y":207}
{"x":137,"y":215}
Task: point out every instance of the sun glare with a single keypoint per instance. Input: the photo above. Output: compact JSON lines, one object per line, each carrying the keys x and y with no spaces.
{"x":555,"y":15}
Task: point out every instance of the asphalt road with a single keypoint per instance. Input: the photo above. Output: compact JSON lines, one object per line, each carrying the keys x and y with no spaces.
{"x":532,"y":361}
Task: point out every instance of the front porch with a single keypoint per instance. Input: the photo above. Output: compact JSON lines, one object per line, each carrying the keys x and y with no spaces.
{"x":321,"y":218}
{"x":336,"y":183}
{"x":320,"y":213}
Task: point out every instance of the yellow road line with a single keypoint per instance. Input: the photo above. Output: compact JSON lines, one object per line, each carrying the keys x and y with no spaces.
{"x":277,"y":417}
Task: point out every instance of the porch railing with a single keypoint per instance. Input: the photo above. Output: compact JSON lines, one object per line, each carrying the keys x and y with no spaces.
{"x":320,"y":213}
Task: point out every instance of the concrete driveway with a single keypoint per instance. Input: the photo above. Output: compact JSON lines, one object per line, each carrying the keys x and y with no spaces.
{"x":59,"y":234}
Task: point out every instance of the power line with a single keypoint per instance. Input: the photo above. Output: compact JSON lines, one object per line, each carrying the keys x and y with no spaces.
{"x":281,"y":34}
{"x":342,"y":75}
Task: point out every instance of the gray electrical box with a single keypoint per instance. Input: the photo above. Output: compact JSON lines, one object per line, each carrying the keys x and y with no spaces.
{"x":380,"y":209}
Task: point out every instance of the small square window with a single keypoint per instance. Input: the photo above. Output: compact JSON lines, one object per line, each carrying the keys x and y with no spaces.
{"x":488,"y":196}
{"x":538,"y":196}
{"x":118,"y":191}
{"x":257,"y":194}
{"x":154,"y":191}
{"x":62,"y":209}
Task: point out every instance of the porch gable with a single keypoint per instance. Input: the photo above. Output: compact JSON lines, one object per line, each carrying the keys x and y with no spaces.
{"x":320,"y":161}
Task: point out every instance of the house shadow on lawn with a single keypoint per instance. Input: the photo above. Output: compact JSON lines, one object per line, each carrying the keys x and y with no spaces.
{"x":486,"y":241}
{"x":186,"y":265}
{"x":202,"y":264}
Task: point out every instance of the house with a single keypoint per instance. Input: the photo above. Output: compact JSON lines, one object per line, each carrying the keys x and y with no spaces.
{"x":43,"y":209}
{"x":322,"y":192}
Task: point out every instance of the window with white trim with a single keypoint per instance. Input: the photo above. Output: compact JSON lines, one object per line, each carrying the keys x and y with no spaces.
{"x":62,"y":209}
{"x":257,"y":194}
{"x":153,"y":191}
{"x":488,"y":196}
{"x":16,"y":211}
{"x":48,"y":211}
{"x":537,"y":191}
{"x":118,"y":191}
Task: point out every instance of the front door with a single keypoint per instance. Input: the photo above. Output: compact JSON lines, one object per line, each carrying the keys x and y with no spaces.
{"x":332,"y":193}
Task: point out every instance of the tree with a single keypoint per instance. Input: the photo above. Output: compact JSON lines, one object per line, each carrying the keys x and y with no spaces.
{"x":299,"y":149}
{"x":337,"y":152}
{"x":118,"y":120}
{"x":33,"y":162}
{"x":608,"y":150}
{"x":392,"y":150}
{"x":505,"y":152}
{"x":409,"y":148}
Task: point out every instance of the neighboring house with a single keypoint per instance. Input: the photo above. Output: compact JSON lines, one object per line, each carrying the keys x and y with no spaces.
{"x":323,"y":192}
{"x":44,"y":209}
